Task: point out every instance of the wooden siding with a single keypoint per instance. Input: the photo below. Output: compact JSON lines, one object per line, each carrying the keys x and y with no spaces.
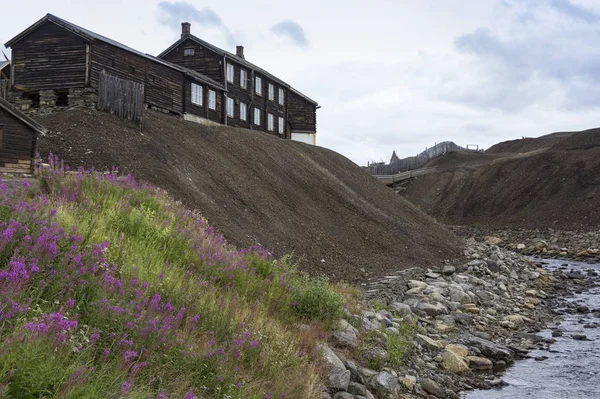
{"x":17,"y":140}
{"x":302,"y":115}
{"x":163,"y":85}
{"x":273,"y":107}
{"x":240,"y":95}
{"x":50,"y":57}
{"x":204,"y":60}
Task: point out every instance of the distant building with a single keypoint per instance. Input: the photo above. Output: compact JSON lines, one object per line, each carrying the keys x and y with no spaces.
{"x":254,"y":98}
{"x":18,"y":137}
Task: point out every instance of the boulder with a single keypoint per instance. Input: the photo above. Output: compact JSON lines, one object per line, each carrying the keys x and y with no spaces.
{"x":330,"y":358}
{"x":459,"y":296}
{"x":479,"y":363}
{"x":490,"y":349}
{"x":460,"y":350}
{"x":453,"y":362}
{"x":432,"y":388}
{"x":401,"y":309}
{"x":343,"y":395}
{"x":433,"y":309}
{"x":417,"y":284}
{"x":344,"y":339}
{"x":448,"y":270}
{"x":409,"y":382}
{"x":427,"y":342}
{"x":357,"y":389}
{"x":338,"y":379}
{"x":385,"y":384}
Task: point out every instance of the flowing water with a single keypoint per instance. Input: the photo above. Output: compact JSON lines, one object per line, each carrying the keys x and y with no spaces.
{"x":572,"y":369}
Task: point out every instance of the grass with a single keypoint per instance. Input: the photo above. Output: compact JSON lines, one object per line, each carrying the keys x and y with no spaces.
{"x":109,"y":288}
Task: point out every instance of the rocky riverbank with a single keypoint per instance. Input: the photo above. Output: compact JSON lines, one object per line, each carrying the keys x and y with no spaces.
{"x":551,"y":243}
{"x":437,"y":333}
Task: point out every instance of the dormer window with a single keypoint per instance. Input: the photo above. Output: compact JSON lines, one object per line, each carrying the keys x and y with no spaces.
{"x":189,"y":52}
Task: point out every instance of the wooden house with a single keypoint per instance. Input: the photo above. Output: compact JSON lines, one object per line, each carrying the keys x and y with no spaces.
{"x":254,"y":98}
{"x":18,"y":136}
{"x":55,"y":62}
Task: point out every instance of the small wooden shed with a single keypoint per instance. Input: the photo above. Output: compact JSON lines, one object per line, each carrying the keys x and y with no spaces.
{"x":18,"y":137}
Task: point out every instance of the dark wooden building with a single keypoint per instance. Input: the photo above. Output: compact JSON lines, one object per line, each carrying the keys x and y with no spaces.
{"x":56,"y":61}
{"x":254,"y":98}
{"x":18,"y":136}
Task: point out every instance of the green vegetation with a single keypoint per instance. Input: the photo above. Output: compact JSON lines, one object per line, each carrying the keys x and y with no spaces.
{"x":109,"y":288}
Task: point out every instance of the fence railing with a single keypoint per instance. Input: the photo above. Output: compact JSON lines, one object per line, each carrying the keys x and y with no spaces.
{"x":4,"y":85}
{"x":416,"y":162}
{"x":121,"y":97}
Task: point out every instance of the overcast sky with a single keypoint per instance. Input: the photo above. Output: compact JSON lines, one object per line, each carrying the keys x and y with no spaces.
{"x":389,"y":74}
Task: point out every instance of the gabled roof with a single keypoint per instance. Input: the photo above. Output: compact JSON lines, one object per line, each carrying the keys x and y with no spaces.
{"x":235,"y":58}
{"x":5,"y":105}
{"x":3,"y":64}
{"x":91,"y":36}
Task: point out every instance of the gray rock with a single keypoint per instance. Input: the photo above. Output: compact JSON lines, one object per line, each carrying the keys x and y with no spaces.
{"x":384,"y":383}
{"x":432,"y":388}
{"x":357,"y":389}
{"x":490,"y":349}
{"x":401,"y":309}
{"x":338,"y":379}
{"x":427,"y":342}
{"x":433,"y":309}
{"x":325,"y":395}
{"x":343,"y":395}
{"x":448,"y":270}
{"x":331,"y":359}
{"x":459,"y":296}
{"x":344,"y":339}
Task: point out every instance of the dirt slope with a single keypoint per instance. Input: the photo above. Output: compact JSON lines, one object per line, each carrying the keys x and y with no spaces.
{"x":551,"y":181}
{"x":253,"y":187}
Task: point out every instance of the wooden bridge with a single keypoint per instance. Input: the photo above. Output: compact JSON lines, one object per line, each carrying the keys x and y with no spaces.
{"x":400,"y":180}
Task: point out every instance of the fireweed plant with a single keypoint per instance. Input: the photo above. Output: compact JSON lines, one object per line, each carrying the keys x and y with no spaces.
{"x":110,"y":289}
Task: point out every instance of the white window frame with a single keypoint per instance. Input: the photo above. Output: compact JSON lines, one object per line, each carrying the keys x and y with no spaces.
{"x":270,"y":122}
{"x":257,"y":116}
{"x":281,"y":96}
{"x":271,"y":92}
{"x":230,"y":72}
{"x":212,"y":99}
{"x":243,"y":79}
{"x":281,"y":125}
{"x":230,"y":107}
{"x":258,"y":85}
{"x":197,"y":94}
{"x":243,"y":111}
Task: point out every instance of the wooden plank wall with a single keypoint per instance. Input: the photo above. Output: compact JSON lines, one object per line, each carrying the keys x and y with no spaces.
{"x":204,"y":60}
{"x":302,"y":114}
{"x":49,"y":58}
{"x":124,"y":98}
{"x":17,"y":140}
{"x":4,"y":86}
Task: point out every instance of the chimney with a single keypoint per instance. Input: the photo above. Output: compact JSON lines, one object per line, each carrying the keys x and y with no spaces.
{"x":239,"y":51}
{"x":185,"y":28}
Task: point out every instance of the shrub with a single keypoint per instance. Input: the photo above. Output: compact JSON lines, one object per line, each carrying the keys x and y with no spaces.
{"x":400,"y":346}
{"x":316,"y":298}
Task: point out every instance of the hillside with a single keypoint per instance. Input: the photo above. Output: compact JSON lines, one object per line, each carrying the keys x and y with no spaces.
{"x":546,"y":182}
{"x":255,"y":188}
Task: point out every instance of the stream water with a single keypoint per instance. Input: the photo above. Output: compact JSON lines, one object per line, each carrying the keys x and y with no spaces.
{"x":572,"y":369}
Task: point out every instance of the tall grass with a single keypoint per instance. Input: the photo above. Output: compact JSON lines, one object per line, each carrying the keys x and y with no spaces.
{"x":109,"y":288}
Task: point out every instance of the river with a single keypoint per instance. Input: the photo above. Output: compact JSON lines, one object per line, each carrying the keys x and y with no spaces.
{"x":572,"y":368}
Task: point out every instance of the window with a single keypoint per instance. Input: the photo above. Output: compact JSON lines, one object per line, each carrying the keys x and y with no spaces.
{"x":243,"y":78}
{"x":281,"y":96}
{"x":132,"y":70}
{"x":212,"y":99}
{"x":152,"y":78}
{"x":230,"y":106}
{"x":257,"y":116}
{"x":271,"y":92}
{"x":270,"y":122}
{"x":258,"y":85}
{"x":196,"y":94}
{"x":243,"y":112}
{"x":230,"y":73}
{"x":112,"y":63}
{"x":281,"y":125}
{"x":189,"y":52}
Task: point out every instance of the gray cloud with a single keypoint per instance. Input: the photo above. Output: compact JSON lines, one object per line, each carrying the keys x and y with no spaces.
{"x":172,"y":14}
{"x":571,"y":10}
{"x":292,"y":31}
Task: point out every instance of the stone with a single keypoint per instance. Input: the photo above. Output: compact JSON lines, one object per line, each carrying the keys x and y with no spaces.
{"x":493,"y":240}
{"x":417,"y":284}
{"x":433,"y":309}
{"x":330,"y":358}
{"x":385,"y":383}
{"x":520,"y":246}
{"x":453,"y":362}
{"x":338,"y":379}
{"x":432,"y":275}
{"x":459,"y":296}
{"x":580,"y":337}
{"x":325,"y":395}
{"x":460,"y":350}
{"x":345,"y":326}
{"x":479,"y":363}
{"x":409,"y":382}
{"x":343,"y":395}
{"x":448,"y":270}
{"x":432,"y":388}
{"x":427,"y":342}
{"x":490,"y":349}
{"x":344,"y":339}
{"x":357,"y":389}
{"x":445,"y":323}
{"x":392,"y":331}
{"x":471,"y":309}
{"x":401,"y":309}
{"x":557,"y":333}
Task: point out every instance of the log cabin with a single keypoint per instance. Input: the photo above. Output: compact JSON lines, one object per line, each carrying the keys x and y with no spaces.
{"x":18,"y":137}
{"x":55,"y":62}
{"x":254,"y":98}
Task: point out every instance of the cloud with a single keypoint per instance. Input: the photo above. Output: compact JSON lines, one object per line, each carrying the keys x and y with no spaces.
{"x":541,"y":53}
{"x":292,"y":31}
{"x":172,"y":14}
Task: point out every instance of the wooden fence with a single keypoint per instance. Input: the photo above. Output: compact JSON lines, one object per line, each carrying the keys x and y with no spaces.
{"x":416,"y":162}
{"x":4,"y":84}
{"x":121,"y":97}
